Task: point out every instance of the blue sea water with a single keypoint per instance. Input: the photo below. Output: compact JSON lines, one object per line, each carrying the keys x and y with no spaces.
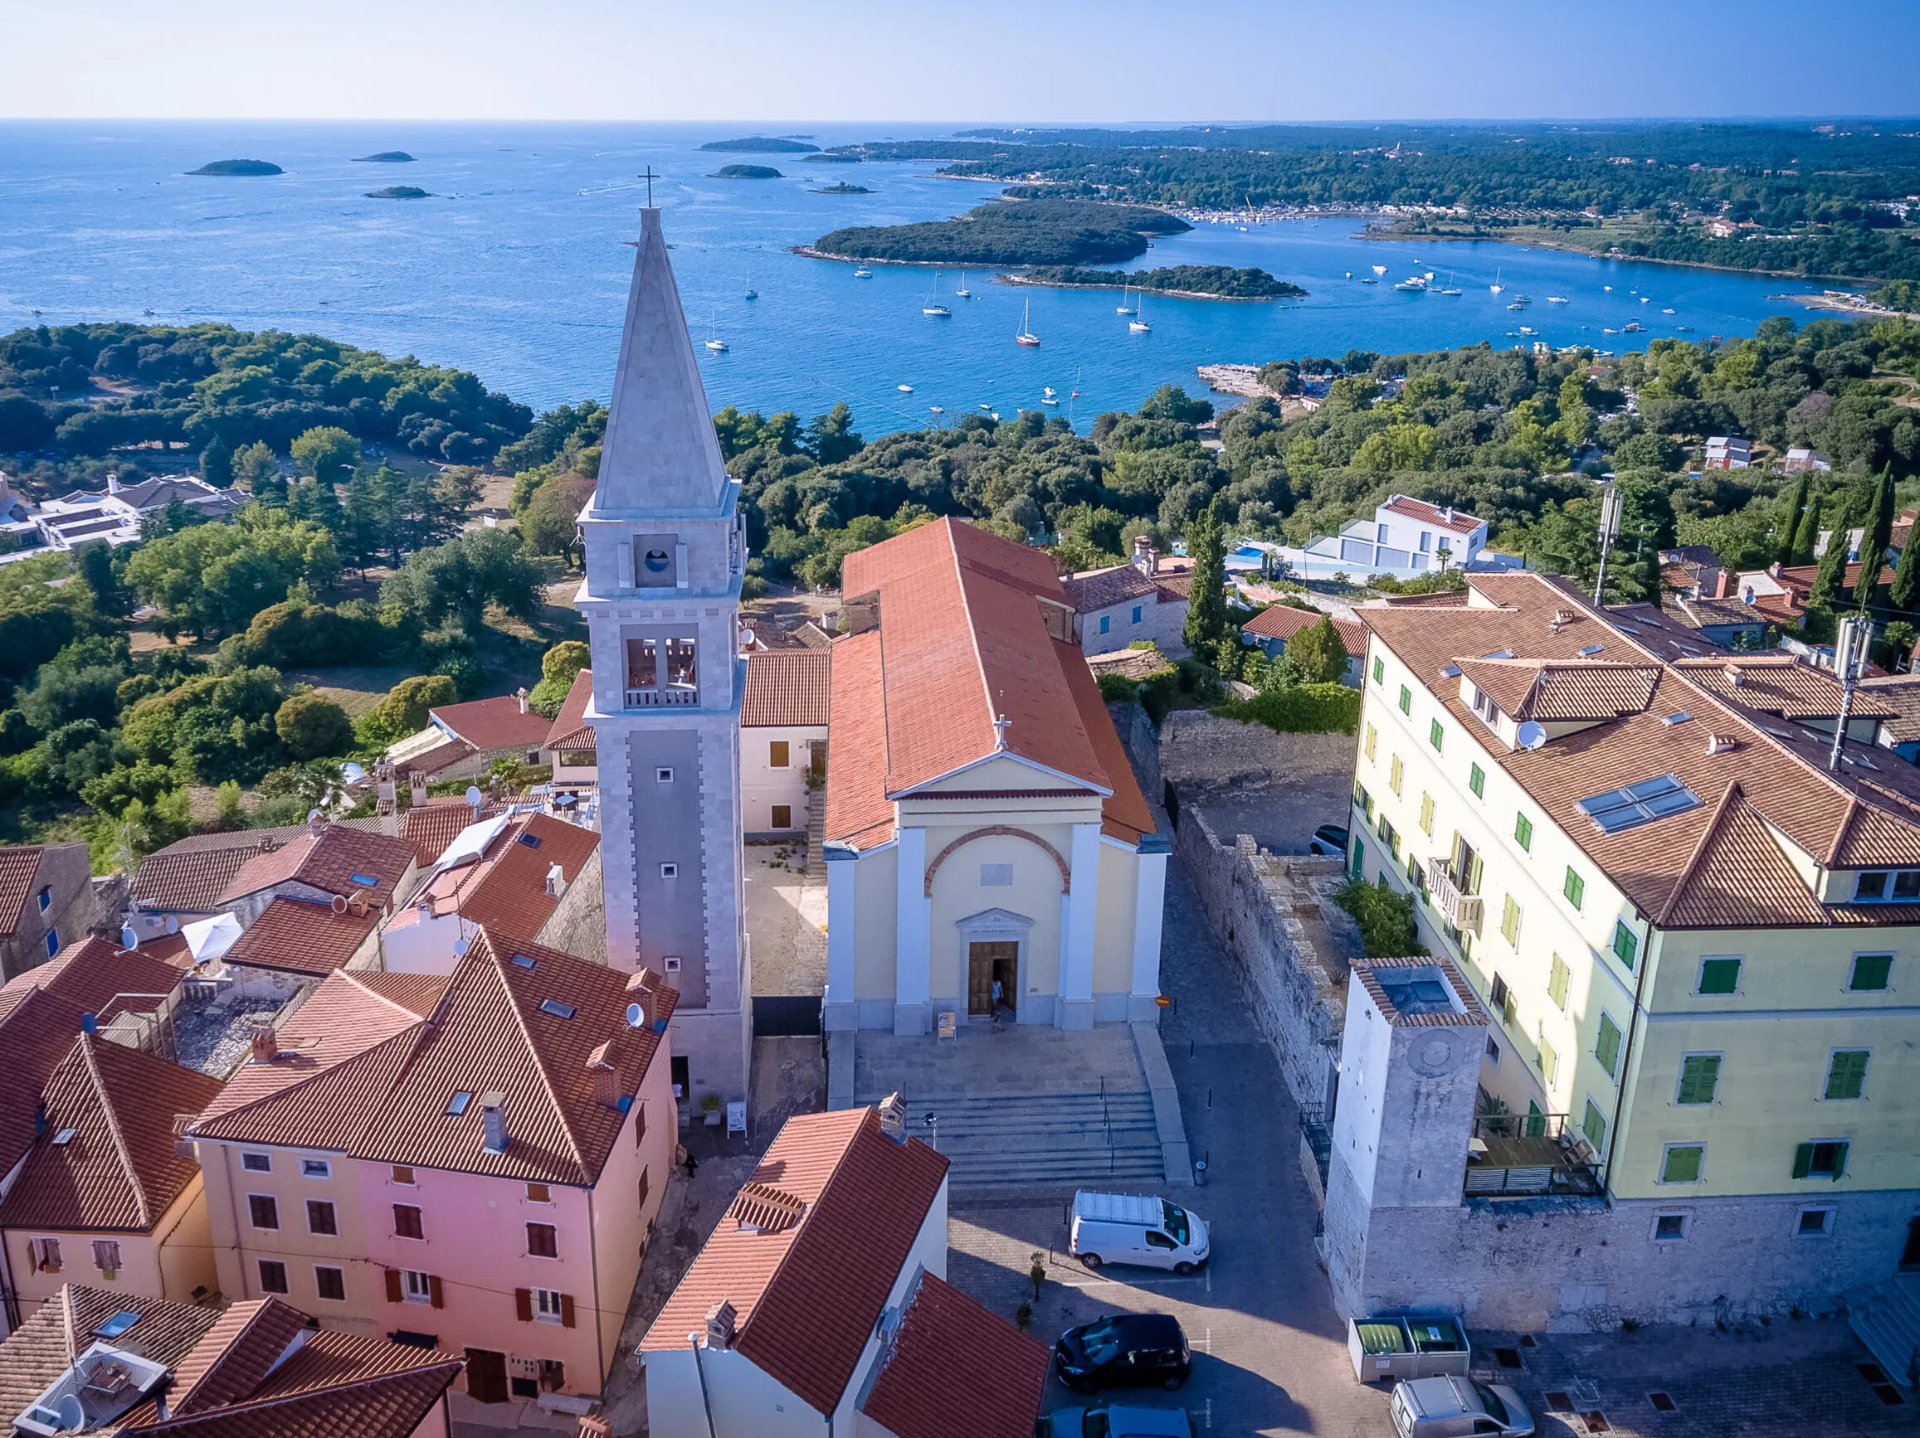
{"x":516,"y":268}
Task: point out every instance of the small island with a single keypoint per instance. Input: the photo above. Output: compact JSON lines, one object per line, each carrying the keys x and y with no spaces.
{"x":385,"y":157}
{"x":1192,"y":282}
{"x":399,"y":192}
{"x":841,"y":187}
{"x":828,"y":157}
{"x":763,"y":144}
{"x":745,"y":172}
{"x":1009,"y":232}
{"x":239,"y":167}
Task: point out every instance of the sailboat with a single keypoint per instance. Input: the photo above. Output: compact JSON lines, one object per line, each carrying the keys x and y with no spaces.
{"x":933,"y":306}
{"x":1450,"y":287}
{"x":752,"y":293}
{"x":963,"y":292}
{"x":1025,"y":335}
{"x":1496,"y":287}
{"x":1379,"y":269}
{"x":714,"y":342}
{"x":1123,"y":308}
{"x":1138,"y":324}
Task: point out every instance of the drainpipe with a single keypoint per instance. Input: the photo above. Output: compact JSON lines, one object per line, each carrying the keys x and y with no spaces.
{"x":706,"y":1406}
{"x":1626,"y":1056}
{"x":593,"y":1257}
{"x":226,"y":1166}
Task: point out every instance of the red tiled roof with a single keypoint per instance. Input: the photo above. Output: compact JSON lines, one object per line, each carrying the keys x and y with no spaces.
{"x":39,"y":1350}
{"x":1281,"y":621}
{"x":381,"y":1406}
{"x":497,"y":723}
{"x":121,"y":1170}
{"x":17,"y":868}
{"x":300,"y":936}
{"x":417,"y":993}
{"x":806,"y":1296}
{"x":444,"y":755}
{"x":1456,"y":520}
{"x":787,"y":689}
{"x":506,"y":890}
{"x":430,"y":828}
{"x":570,"y":728}
{"x":37,"y":1030}
{"x":191,"y":880}
{"x":1097,"y":589}
{"x":93,"y":973}
{"x":957,"y":1370}
{"x":236,"y":1354}
{"x":334,"y":861}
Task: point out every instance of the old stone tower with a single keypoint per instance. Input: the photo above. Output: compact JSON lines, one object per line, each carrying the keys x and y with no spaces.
{"x":665,"y":552}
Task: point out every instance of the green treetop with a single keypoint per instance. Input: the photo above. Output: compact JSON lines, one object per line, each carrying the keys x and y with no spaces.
{"x":1791,"y":520}
{"x":1875,"y":538}
{"x":1831,"y":575}
{"x":1206,"y":603}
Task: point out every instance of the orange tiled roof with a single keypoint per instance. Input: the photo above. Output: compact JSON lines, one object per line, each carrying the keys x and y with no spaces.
{"x":303,"y":936}
{"x":100,"y":978}
{"x":498,"y":723}
{"x":1456,"y":520}
{"x":430,"y":828}
{"x":1548,"y":691}
{"x":1780,"y":684}
{"x":957,"y":1370}
{"x":335,"y":861}
{"x":1282,"y":621}
{"x":39,"y":1350}
{"x":191,"y":880}
{"x":236,"y":1354}
{"x":786,"y":689}
{"x":1096,"y":589}
{"x":18,"y":865}
{"x":506,"y":889}
{"x":37,"y":1030}
{"x":806,"y":1296}
{"x":570,"y":728}
{"x":1900,"y":693}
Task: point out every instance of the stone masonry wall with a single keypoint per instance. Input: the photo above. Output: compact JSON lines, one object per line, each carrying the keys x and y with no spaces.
{"x":578,"y":924}
{"x":1142,"y":744}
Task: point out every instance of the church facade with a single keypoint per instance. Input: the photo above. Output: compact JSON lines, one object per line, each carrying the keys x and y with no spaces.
{"x":989,"y":853}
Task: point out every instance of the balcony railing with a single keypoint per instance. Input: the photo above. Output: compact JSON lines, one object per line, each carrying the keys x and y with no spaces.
{"x":1522,"y":1154}
{"x":659,"y":698}
{"x":1463,"y":911}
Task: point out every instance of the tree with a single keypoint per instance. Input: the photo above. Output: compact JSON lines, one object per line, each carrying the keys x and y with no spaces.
{"x":1792,"y":519}
{"x":1206,"y":601}
{"x":257,"y":468}
{"x":327,"y":453}
{"x":63,"y":696}
{"x":213,"y":578}
{"x":216,"y":463}
{"x":831,"y":437}
{"x":1831,"y":575}
{"x":110,"y":597}
{"x":1317,"y":653}
{"x":557,"y":670}
{"x":215,"y":727}
{"x":404,"y":710}
{"x":550,"y":521}
{"x":1807,"y":538}
{"x":1905,"y":593}
{"x":313,"y":727}
{"x":1874,"y":539}
{"x":455,"y":582}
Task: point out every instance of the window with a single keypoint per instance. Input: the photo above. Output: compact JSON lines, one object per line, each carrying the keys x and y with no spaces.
{"x":557,"y":1009}
{"x":1719,"y":976}
{"x":548,"y":1306}
{"x":1680,"y":1162}
{"x":406,"y":1221}
{"x":640,"y":1202}
{"x":1385,"y":534}
{"x":1607,"y":1047}
{"x":543,"y":1240}
{"x":457,"y":1105}
{"x":403,"y":1174}
{"x":1503,"y":999}
{"x":1406,"y":700}
{"x":1373,"y":741}
{"x":1887,"y":886}
{"x":53,"y":942}
{"x":1668,"y":1227}
{"x":783,"y":816}
{"x":1493,"y":1051}
{"x":1426,"y":541}
{"x":639,"y":1124}
{"x":1626,"y":943}
{"x":539,"y":1193}
{"x":1549,"y":1061}
{"x":1823,"y":1158}
{"x":320,"y":1218}
{"x":1106,"y":623}
{"x":1395,"y":771}
{"x":44,"y":1254}
{"x":1379,"y":670}
{"x":682,"y":663}
{"x":1557,"y":983}
{"x":273,"y":1276}
{"x":1814,"y":1223}
{"x":1138,"y":610}
{"x":315,"y":1168}
{"x":46,"y":899}
{"x":106,"y":1255}
{"x":1699,"y":1078}
{"x":1389,"y":836}
{"x":1362,"y":800}
{"x":1435,"y":736}
{"x":996,"y":876}
{"x":1870,"y":973}
{"x":663,"y":776}
{"x":777,"y":754}
{"x":1523,"y":832}
{"x":257,"y":1162}
{"x":1484,"y":706}
{"x":1637,"y":804}
{"x":1476,"y":777}
{"x":330,"y":1282}
{"x":1846,"y":1074}
{"x":263,"y":1210}
{"x":1510,"y":921}
{"x":1426,"y":815}
{"x":416,"y":1287}
{"x":1574,"y":887}
{"x":669,"y":871}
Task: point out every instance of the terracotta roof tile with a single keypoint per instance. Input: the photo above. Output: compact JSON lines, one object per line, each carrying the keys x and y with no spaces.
{"x":570,"y":728}
{"x":858,"y":810}
{"x":1780,"y":684}
{"x":93,"y":974}
{"x":37,"y":1031}
{"x":236,"y":1354}
{"x":957,"y":1370}
{"x":1281,"y":621}
{"x":430,"y":828}
{"x":190,"y":880}
{"x":1546,"y":690}
{"x":1103,"y":588}
{"x":1738,"y":876}
{"x":498,"y":723}
{"x":787,"y":689}
{"x":335,"y":861}
{"x":38,"y":1351}
{"x":383,"y":1406}
{"x":807,"y":1297}
{"x":1900,"y":693}
{"x":17,"y":868}
{"x":419,"y":994}
{"x":1456,"y":520}
{"x":506,"y":890}
{"x":301,"y":936}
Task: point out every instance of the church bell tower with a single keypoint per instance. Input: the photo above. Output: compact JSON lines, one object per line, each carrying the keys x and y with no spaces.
{"x":665,"y":554}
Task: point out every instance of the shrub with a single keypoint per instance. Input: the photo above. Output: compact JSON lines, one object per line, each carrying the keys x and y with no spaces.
{"x":404,"y":710}
{"x":558,"y":669}
{"x":1385,"y":919}
{"x":313,"y":726}
{"x":1119,"y":689}
{"x":1300,"y":709}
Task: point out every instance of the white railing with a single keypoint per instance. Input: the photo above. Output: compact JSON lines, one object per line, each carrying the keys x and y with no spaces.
{"x":659,"y":698}
{"x":1463,"y":911}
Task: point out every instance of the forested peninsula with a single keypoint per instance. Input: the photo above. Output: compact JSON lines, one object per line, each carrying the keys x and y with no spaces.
{"x":1209,"y":282}
{"x":764,"y":145}
{"x":1026,"y":232}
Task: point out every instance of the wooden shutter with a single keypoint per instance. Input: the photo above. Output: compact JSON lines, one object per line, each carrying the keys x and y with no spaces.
{"x":523,"y":1304}
{"x":1847,"y":1076}
{"x":1839,"y":1161}
{"x":1803,"y":1160}
{"x":1699,"y":1076}
{"x":394,"y":1295}
{"x":566,"y":1310}
{"x":434,"y":1293}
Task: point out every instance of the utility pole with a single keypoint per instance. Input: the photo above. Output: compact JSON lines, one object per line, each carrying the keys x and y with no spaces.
{"x":1849,"y":657}
{"x":1609,"y":527}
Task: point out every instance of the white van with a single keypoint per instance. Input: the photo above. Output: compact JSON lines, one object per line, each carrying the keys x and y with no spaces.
{"x":1135,"y":1228}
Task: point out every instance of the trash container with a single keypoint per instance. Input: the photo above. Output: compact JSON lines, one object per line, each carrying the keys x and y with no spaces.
{"x":1391,"y":1346}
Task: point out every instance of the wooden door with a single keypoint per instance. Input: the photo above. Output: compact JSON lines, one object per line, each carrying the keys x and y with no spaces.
{"x":987,"y":961}
{"x":486,"y":1375}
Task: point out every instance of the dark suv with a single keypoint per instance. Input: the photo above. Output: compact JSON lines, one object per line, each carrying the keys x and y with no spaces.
{"x":1126,"y":1350}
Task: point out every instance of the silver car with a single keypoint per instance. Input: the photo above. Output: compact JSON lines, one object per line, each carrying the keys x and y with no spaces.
{"x":1457,"y":1408}
{"x":1120,"y":1420}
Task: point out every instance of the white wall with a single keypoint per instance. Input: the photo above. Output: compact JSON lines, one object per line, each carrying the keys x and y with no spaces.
{"x":762,"y":786}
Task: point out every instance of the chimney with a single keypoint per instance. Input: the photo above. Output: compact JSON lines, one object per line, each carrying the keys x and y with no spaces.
{"x":1153,"y":561}
{"x":417,"y":782}
{"x":1142,"y":552}
{"x":893,"y":1117}
{"x":1736,"y":675}
{"x":1446,"y":514}
{"x":642,"y":989}
{"x":520,"y":695}
{"x":720,"y":1320}
{"x":113,"y":484}
{"x":493,"y":1119}
{"x":602,"y":1064}
{"x":265,"y":1042}
{"x":556,"y":881}
{"x":1722,"y":743}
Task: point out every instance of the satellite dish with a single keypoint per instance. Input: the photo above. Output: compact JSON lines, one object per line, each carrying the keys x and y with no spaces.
{"x":1531,"y":735}
{"x":129,"y":939}
{"x":459,"y":948}
{"x":352,"y":772}
{"x":313,"y":814}
{"x":474,"y":796}
{"x":635,"y":1016}
{"x":746,"y":638}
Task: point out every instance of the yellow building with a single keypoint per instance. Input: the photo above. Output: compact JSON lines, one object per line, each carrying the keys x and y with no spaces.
{"x":1694,"y":938}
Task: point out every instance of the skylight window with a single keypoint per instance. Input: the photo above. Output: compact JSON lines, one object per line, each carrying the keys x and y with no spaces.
{"x":1629,"y":629}
{"x":116,"y":1325}
{"x":1451,"y":671}
{"x":1640,"y":803}
{"x":1591,"y":648}
{"x":457,"y":1105}
{"x":1499,"y":654}
{"x":365,"y":881}
{"x":1679,"y":716}
{"x":557,"y":1009}
{"x":64,"y":1137}
{"x":521,"y":961}
{"x":532,"y":841}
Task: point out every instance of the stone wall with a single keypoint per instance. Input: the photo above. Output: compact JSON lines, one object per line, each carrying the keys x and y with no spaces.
{"x":578,"y":924}
{"x":1142,"y":743}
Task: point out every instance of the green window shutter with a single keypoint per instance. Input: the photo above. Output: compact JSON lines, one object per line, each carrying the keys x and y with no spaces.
{"x":1719,"y":976}
{"x":1840,"y":1161}
{"x":1557,"y":983}
{"x":1523,"y":831}
{"x":1510,"y":921}
{"x":1847,"y":1074}
{"x":1406,"y":700}
{"x":1699,"y":1077}
{"x":1593,"y":1126}
{"x":1682,"y":1163}
{"x":1436,"y":734}
{"x":1549,"y":1061}
{"x":1476,"y":776}
{"x":1803,"y":1160}
{"x":1379,"y":670}
{"x":1607,"y":1050}
{"x":1575,"y":888}
{"x":1626,"y":944}
{"x":1870,"y":973}
{"x":1359,"y":857}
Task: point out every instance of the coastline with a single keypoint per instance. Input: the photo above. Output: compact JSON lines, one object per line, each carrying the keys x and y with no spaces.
{"x":1008,"y":278}
{"x":1540,"y":243}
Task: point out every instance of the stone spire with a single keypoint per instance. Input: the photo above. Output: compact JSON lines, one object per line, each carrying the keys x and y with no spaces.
{"x":659,"y":453}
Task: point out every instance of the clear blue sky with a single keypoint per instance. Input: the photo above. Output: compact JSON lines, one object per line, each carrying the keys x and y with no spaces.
{"x":1012,"y":60}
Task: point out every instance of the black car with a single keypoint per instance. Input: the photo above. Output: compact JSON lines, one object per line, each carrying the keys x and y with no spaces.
{"x":1126,"y":1350}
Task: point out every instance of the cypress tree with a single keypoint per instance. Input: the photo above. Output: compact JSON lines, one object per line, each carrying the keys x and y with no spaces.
{"x":1795,"y":517}
{"x":1832,"y":574}
{"x":1809,"y":535}
{"x":216,"y":463}
{"x":1906,"y":577}
{"x":1874,"y":539}
{"x":1207,"y":603}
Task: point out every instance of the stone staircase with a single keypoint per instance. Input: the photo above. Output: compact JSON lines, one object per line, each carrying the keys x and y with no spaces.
{"x":816,"y":832}
{"x":1061,"y":1139}
{"x":1887,"y":1319}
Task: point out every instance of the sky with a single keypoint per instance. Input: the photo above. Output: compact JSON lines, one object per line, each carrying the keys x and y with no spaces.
{"x":1013,"y":61}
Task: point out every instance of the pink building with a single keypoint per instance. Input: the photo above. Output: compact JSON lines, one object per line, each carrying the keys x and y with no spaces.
{"x":468,"y":1161}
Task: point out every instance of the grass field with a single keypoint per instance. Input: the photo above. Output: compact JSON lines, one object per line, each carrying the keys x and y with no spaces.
{"x":355,"y":688}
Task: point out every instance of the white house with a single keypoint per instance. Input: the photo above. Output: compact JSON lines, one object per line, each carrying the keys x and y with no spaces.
{"x":115,"y":515}
{"x":1730,"y":451}
{"x":783,"y":738}
{"x":1406,"y":538}
{"x":1143,"y":600}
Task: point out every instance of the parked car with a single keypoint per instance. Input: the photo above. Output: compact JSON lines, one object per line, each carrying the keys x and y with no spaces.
{"x":1328,"y":839}
{"x":1457,"y":1408}
{"x":1136,"y":1228}
{"x":1124,"y":1350}
{"x":1119,"y":1420}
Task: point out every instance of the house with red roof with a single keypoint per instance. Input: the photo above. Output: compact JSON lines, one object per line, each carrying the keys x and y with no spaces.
{"x":1270,"y":629}
{"x":46,"y":901}
{"x":570,"y":743}
{"x":463,"y":740}
{"x":988,"y":850}
{"x":1141,"y":601}
{"x":783,"y":739}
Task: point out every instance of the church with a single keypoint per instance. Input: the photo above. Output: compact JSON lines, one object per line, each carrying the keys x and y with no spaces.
{"x":989,"y":855}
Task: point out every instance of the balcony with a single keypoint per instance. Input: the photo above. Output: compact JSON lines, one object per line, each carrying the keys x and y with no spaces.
{"x":1525,"y":1155}
{"x":663,"y":698}
{"x":1463,"y":911}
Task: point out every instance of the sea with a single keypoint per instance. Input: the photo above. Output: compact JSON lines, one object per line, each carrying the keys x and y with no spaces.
{"x":517,"y":265}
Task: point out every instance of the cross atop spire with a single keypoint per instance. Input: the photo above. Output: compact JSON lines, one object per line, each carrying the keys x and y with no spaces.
{"x":649,"y":176}
{"x":1000,"y":726}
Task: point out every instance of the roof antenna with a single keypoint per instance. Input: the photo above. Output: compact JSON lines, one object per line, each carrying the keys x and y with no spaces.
{"x":1610,"y":503}
{"x":1849,"y":656}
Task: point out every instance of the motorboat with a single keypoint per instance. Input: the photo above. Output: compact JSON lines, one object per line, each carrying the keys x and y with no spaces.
{"x":863,"y":274}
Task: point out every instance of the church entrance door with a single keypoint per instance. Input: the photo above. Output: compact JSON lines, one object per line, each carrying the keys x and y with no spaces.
{"x":988,"y":964}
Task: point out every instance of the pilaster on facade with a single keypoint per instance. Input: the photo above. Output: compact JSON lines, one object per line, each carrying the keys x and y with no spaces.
{"x":912,"y":935}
